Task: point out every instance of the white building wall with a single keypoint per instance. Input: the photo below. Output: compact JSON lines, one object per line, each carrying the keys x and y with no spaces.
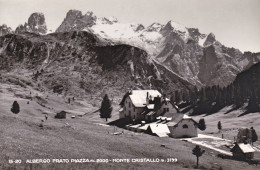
{"x":138,"y":112}
{"x":169,"y":109}
{"x":179,"y":131}
{"x":121,"y":114}
{"x":130,"y":110}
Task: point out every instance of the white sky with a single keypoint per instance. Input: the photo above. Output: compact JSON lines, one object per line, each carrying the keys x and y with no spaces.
{"x":236,"y":23}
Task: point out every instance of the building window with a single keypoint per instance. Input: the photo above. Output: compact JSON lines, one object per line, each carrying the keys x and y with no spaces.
{"x":165,"y":103}
{"x":185,"y":126}
{"x":167,"y":109}
{"x":164,"y":109}
{"x":129,"y":113}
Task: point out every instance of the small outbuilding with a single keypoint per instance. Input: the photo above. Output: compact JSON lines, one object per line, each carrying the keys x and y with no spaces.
{"x":183,"y":126}
{"x":61,"y":115}
{"x":243,"y":151}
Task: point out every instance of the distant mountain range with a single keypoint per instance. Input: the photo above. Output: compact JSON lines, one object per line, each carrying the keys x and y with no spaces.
{"x":193,"y":57}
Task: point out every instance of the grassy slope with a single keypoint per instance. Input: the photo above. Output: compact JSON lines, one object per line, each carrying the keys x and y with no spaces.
{"x":230,"y":123}
{"x":22,"y":138}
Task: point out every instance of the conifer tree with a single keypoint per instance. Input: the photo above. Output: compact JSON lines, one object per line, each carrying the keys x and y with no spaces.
{"x":219,"y":126}
{"x":15,"y":107}
{"x":202,"y":125}
{"x":253,"y":105}
{"x":106,"y":108}
{"x":254,"y":135}
{"x":198,"y":153}
{"x":177,"y":96}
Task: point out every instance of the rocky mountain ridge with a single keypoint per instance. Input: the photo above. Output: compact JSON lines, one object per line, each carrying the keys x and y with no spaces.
{"x":198,"y":58}
{"x":79,"y":63}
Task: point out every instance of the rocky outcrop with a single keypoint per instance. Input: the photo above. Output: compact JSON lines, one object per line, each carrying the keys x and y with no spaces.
{"x":78,"y":58}
{"x":209,"y":40}
{"x":198,"y":58}
{"x":76,"y":21}
{"x":154,"y":27}
{"x":36,"y":24}
{"x":4,"y":29}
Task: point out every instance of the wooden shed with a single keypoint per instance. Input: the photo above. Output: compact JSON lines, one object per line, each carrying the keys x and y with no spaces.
{"x":243,"y":151}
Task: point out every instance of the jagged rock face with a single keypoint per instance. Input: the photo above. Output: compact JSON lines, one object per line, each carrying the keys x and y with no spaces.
{"x":22,"y":28}
{"x":180,"y":54}
{"x":140,"y":28}
{"x":209,"y":40}
{"x":76,"y":21}
{"x":154,"y":27}
{"x":198,"y":58}
{"x":81,"y":59}
{"x":195,"y":34}
{"x":36,"y":24}
{"x":5,"y":30}
{"x":207,"y":63}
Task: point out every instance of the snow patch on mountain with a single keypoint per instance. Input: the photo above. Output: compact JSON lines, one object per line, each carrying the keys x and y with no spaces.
{"x":180,"y":29}
{"x":202,"y":40}
{"x":148,"y":39}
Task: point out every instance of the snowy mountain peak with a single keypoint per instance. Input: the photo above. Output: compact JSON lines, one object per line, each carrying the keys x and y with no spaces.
{"x":155,"y":27}
{"x":177,"y":28}
{"x":109,"y":20}
{"x":113,"y":19}
{"x":140,"y":28}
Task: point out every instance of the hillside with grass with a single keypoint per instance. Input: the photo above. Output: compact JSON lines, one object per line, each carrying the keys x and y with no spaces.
{"x":26,"y":136}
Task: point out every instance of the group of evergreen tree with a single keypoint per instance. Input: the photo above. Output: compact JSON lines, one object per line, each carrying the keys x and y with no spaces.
{"x":207,"y":100}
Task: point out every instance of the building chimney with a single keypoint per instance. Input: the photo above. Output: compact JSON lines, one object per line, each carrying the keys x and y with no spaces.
{"x":147,"y":99}
{"x":131,"y":91}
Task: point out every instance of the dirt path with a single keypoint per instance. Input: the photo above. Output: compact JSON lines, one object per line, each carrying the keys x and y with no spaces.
{"x":215,"y":141}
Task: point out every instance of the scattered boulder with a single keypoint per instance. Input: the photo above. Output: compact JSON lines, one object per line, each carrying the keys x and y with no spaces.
{"x":61,"y":115}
